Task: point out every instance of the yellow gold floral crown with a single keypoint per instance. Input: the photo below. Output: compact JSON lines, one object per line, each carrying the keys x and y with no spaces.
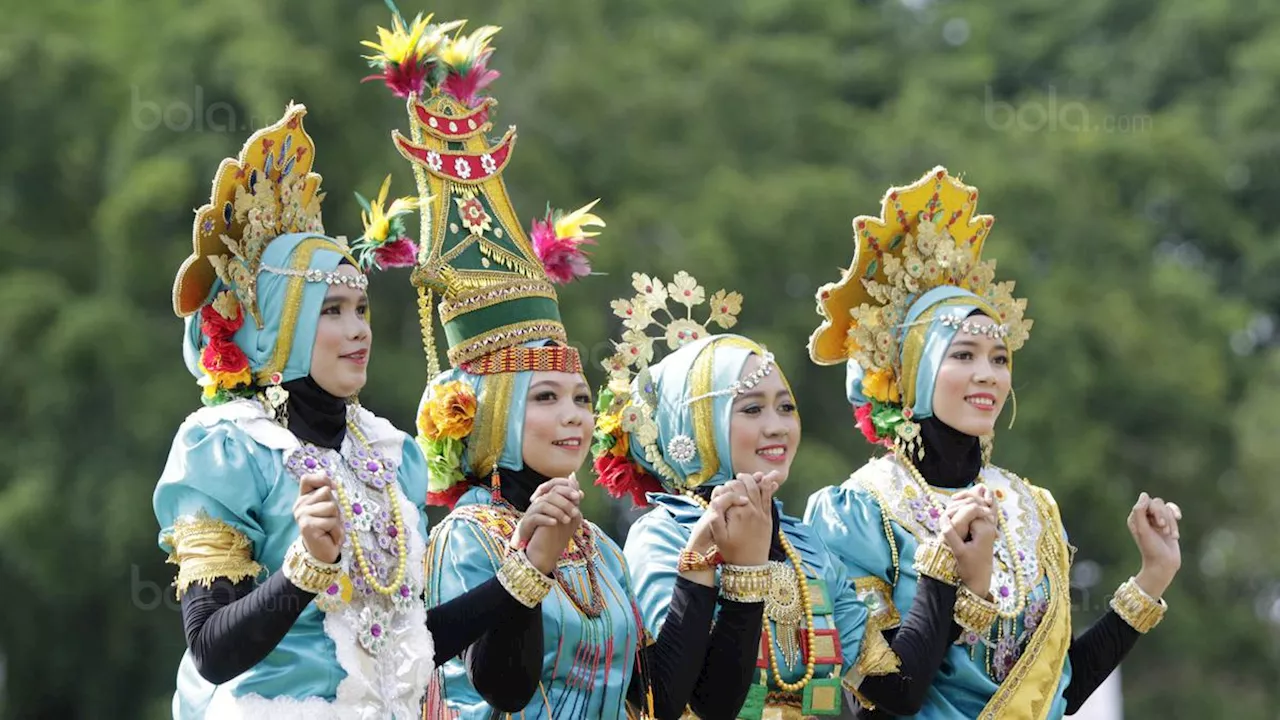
{"x":266,"y":191}
{"x":927,"y":236}
{"x":629,"y":402}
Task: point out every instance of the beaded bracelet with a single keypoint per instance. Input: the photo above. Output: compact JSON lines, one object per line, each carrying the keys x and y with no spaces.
{"x":1136,"y":607}
{"x":306,"y":572}
{"x":936,"y":560}
{"x":973,"y":613}
{"x":744,"y":583}
{"x":525,"y":582}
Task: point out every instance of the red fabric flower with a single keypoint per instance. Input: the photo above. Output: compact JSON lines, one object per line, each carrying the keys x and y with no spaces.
{"x":448,"y":498}
{"x":223,"y":357}
{"x":217,"y":327}
{"x":619,"y":476}
{"x":863,"y":418}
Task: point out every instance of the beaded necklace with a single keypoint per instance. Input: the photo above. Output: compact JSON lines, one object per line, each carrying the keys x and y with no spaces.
{"x":373,"y":470}
{"x":1005,"y":537}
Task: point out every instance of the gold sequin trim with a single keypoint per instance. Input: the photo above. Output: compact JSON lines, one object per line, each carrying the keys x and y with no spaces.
{"x":493,"y":295}
{"x":490,"y":432}
{"x":506,"y":336}
{"x":205,"y":549}
{"x":876,"y":657}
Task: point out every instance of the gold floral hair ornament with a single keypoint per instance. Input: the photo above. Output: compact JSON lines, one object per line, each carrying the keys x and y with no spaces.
{"x":629,"y":402}
{"x":268,"y":190}
{"x":928,"y":237}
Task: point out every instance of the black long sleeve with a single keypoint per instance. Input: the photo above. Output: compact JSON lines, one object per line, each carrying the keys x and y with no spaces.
{"x":920,"y":643}
{"x":458,"y":623}
{"x":231,"y":627}
{"x":731,"y":661}
{"x":672,"y":663}
{"x":505,"y":663}
{"x":1095,"y":654}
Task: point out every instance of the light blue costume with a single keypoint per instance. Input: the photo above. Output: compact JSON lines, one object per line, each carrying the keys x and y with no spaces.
{"x":228,"y":490}
{"x":588,"y":662}
{"x":655,"y":541}
{"x":879,"y":511}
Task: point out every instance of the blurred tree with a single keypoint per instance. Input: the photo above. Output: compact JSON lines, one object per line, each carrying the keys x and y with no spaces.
{"x":1128,"y":150}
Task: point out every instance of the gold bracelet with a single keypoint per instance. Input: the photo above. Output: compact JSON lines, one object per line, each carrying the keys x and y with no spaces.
{"x":525,"y":582}
{"x":744,"y":583}
{"x":693,"y":561}
{"x":306,"y":572}
{"x":1136,"y":607}
{"x":936,"y":560}
{"x":973,"y":613}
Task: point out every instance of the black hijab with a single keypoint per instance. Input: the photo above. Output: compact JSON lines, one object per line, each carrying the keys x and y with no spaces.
{"x":316,"y":416}
{"x":952,"y":459}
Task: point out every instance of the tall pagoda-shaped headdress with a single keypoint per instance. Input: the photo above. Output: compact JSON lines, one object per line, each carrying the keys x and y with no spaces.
{"x":494,"y":280}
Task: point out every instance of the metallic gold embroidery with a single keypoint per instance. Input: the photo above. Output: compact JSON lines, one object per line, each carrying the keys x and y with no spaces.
{"x":875,"y":656}
{"x":489,"y":435}
{"x":1031,"y":687}
{"x":205,"y":549}
{"x":490,"y":340}
{"x":490,"y":295}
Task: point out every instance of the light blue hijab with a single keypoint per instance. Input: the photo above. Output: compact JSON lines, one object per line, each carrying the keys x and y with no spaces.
{"x":937,"y":337}
{"x":277,"y":295}
{"x":511,"y":456}
{"x":711,"y":364}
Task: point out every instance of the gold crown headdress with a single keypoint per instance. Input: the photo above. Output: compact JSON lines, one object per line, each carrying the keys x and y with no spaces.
{"x":928,"y":236}
{"x":629,"y":402}
{"x":268,"y":190}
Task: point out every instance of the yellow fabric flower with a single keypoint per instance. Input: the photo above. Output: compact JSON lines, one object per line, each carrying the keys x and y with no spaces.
{"x":453,"y":410}
{"x":426,"y":425}
{"x":880,"y":385}
{"x":609,"y":424}
{"x":622,"y":445}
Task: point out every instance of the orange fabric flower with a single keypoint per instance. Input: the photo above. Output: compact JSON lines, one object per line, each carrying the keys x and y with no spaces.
{"x":452,"y":411}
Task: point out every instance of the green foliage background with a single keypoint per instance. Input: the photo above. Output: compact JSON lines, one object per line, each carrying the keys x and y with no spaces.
{"x":1127,"y":147}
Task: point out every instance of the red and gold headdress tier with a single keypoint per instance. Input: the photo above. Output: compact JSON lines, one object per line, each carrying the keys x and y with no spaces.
{"x":495,"y":281}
